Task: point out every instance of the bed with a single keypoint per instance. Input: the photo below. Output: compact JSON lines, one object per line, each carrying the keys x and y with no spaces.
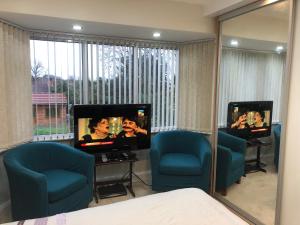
{"x":189,"y":206}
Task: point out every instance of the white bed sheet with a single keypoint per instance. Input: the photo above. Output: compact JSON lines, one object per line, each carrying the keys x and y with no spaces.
{"x":189,"y":206}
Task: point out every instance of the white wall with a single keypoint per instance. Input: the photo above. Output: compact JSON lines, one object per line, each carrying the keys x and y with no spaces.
{"x":291,"y":172}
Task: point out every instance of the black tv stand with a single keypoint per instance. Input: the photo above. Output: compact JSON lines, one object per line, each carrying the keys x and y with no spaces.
{"x":117,"y":156}
{"x":113,"y":188}
{"x":258,"y":166}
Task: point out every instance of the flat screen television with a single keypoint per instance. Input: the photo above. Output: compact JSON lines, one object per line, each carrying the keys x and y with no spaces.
{"x":111,"y":128}
{"x":250,"y":120}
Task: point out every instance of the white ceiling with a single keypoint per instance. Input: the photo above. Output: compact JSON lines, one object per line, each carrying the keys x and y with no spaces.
{"x":279,"y":10}
{"x":106,"y":29}
{"x":96,"y":28}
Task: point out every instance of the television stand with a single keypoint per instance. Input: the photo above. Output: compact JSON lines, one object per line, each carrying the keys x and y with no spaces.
{"x":113,"y":188}
{"x":258,"y":166}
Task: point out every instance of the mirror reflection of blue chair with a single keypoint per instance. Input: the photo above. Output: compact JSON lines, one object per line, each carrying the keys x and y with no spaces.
{"x":180,"y":159}
{"x":47,"y":178}
{"x":230,"y":160}
{"x":277,"y":133}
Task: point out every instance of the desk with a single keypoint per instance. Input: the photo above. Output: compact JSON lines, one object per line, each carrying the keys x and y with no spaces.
{"x":258,"y":166}
{"x":113,"y":188}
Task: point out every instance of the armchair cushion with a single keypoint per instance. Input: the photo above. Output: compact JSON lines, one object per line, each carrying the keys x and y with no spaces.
{"x":62,"y":183}
{"x":179,"y":164}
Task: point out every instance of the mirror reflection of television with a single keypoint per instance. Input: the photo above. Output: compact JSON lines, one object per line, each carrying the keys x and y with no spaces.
{"x":250,"y":120}
{"x":110,"y":128}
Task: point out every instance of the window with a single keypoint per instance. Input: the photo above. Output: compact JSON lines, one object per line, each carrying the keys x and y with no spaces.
{"x":52,"y":111}
{"x":84,"y":72}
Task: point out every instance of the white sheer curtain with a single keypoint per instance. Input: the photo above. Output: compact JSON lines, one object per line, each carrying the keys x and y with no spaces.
{"x":15,"y":87}
{"x":195,"y":86}
{"x":247,"y":75}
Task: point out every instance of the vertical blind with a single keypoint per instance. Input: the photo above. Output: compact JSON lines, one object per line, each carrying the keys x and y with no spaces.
{"x":247,"y":75}
{"x":196,"y":86}
{"x":15,"y":87}
{"x":70,"y":72}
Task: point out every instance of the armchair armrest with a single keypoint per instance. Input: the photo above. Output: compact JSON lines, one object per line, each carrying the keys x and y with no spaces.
{"x":28,"y":191}
{"x":204,"y":153}
{"x":234,"y":143}
{"x":155,"y":152}
{"x":224,"y":160}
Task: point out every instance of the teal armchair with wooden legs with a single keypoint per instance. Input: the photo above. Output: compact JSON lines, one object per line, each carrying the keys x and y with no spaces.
{"x":180,"y":159}
{"x":47,"y":178}
{"x":230,"y":160}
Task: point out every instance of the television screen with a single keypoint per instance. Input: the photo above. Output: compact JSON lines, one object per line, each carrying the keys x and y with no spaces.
{"x":250,"y":119}
{"x":106,"y":128}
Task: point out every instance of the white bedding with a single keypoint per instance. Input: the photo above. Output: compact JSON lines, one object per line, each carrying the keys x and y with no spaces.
{"x":180,"y":207}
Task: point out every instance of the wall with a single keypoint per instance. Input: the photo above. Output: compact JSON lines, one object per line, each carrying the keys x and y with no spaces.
{"x":291,"y":176}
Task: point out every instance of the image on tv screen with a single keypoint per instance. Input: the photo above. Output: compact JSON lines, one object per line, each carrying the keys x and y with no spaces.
{"x":254,"y":120}
{"x":250,"y":120}
{"x":118,"y":130}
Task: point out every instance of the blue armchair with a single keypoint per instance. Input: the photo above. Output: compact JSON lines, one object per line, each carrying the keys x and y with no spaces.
{"x":230,"y":160}
{"x":46,"y":178}
{"x":180,"y":159}
{"x":277,"y":132}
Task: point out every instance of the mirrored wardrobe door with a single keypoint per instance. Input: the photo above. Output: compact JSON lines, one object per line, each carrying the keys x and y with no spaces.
{"x":251,"y":85}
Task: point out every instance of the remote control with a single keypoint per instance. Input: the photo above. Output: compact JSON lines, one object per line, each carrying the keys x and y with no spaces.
{"x":104,"y":158}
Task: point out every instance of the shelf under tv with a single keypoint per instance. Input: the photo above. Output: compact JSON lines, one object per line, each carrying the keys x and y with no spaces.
{"x":114,"y":188}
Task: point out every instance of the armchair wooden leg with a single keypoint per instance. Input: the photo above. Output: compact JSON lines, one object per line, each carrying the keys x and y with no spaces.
{"x":238,"y":181}
{"x":223,"y":192}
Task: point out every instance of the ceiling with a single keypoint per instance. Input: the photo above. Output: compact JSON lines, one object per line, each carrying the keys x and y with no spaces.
{"x":39,"y":22}
{"x":278,"y":10}
{"x":96,"y":28}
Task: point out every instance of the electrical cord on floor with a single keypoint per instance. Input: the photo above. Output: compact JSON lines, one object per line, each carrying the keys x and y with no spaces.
{"x":150,"y":185}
